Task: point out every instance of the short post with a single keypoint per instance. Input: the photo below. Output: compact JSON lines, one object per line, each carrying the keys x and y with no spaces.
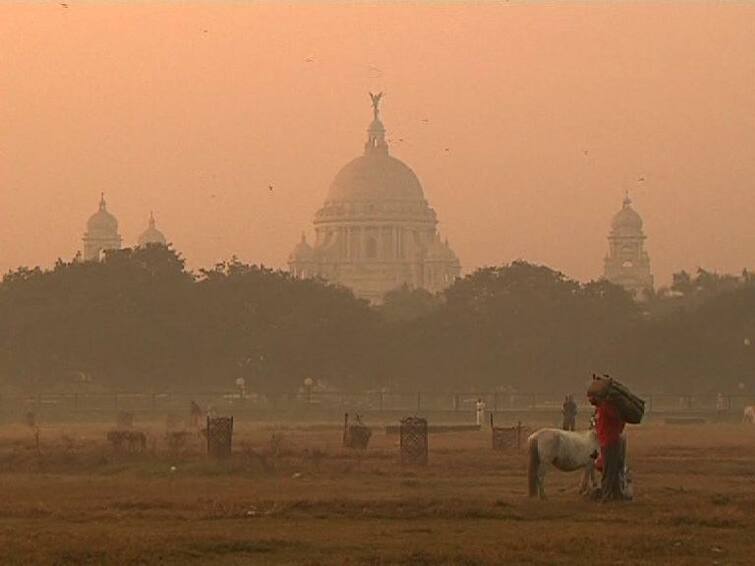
{"x":518,"y":434}
{"x":345,"y":429}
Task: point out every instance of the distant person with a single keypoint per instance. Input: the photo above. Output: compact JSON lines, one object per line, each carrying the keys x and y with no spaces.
{"x":480,"y":411}
{"x":196,"y":415}
{"x":609,"y":427}
{"x":569,"y":411}
{"x":720,"y":405}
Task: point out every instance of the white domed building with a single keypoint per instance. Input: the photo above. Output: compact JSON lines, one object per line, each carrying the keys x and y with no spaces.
{"x":102,"y":233}
{"x":376,"y":232}
{"x":152,"y":235}
{"x":627,"y":263}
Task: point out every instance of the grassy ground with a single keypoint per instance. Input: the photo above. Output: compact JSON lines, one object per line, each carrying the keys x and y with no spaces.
{"x":299,"y":498}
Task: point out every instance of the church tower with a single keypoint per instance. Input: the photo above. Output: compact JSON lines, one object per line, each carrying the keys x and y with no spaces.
{"x":376,"y":231}
{"x":627,"y":263}
{"x":102,"y":233}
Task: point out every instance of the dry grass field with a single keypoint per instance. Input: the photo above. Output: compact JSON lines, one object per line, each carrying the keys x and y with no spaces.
{"x":296,"y":497}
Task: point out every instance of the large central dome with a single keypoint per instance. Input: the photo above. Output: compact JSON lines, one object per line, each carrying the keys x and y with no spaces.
{"x":375,"y":176}
{"x":375,"y":231}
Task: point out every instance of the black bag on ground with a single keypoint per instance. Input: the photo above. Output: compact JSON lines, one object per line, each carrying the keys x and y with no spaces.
{"x":631,"y":407}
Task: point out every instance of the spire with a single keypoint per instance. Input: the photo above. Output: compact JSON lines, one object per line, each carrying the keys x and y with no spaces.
{"x":151,"y":219}
{"x":376,"y":131}
{"x":102,"y":201}
{"x":627,"y":200}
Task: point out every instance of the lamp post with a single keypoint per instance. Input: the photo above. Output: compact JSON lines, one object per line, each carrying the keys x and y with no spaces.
{"x":241,"y":384}
{"x":308,"y":383}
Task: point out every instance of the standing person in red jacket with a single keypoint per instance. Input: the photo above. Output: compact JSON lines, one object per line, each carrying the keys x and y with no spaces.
{"x":609,"y":427}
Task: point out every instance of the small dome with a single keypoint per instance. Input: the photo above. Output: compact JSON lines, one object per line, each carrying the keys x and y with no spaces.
{"x":152,"y":235}
{"x":627,"y":219}
{"x":451,"y":254}
{"x":302,"y":252}
{"x":102,"y":221}
{"x":438,"y":250}
{"x":375,"y":176}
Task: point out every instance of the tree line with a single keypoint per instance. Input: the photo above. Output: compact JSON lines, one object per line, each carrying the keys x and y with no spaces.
{"x":140,"y":320}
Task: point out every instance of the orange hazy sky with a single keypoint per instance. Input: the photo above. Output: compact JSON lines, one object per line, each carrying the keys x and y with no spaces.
{"x":193,"y":109}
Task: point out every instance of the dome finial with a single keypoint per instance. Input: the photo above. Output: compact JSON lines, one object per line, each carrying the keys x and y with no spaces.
{"x":151,"y":219}
{"x":627,"y":200}
{"x":376,"y":105}
{"x":102,"y":201}
{"x":376,"y":131}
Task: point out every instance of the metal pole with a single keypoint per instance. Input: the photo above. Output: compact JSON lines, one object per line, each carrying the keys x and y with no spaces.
{"x":518,"y":434}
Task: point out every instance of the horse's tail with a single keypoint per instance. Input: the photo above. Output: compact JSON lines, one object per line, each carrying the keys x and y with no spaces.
{"x":533,"y":465}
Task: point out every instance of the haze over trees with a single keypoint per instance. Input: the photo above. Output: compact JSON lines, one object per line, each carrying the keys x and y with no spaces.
{"x":139,"y":320}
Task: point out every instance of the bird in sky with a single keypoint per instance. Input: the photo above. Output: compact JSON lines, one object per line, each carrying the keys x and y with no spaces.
{"x":641,"y":179}
{"x":64,"y":4}
{"x":270,"y":187}
{"x":309,"y":59}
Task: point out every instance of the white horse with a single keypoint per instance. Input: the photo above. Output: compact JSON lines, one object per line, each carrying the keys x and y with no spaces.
{"x":564,"y":450}
{"x":749,"y":415}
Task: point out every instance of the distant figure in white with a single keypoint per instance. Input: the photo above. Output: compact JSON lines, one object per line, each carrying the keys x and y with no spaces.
{"x":564,"y":450}
{"x":749,"y":415}
{"x":480,"y":411}
{"x":720,"y":403}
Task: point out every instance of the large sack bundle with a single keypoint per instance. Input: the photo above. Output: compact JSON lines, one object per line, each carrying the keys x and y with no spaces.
{"x":631,"y":407}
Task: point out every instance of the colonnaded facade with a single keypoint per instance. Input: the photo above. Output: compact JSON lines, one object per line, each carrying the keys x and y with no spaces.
{"x":376,"y":231}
